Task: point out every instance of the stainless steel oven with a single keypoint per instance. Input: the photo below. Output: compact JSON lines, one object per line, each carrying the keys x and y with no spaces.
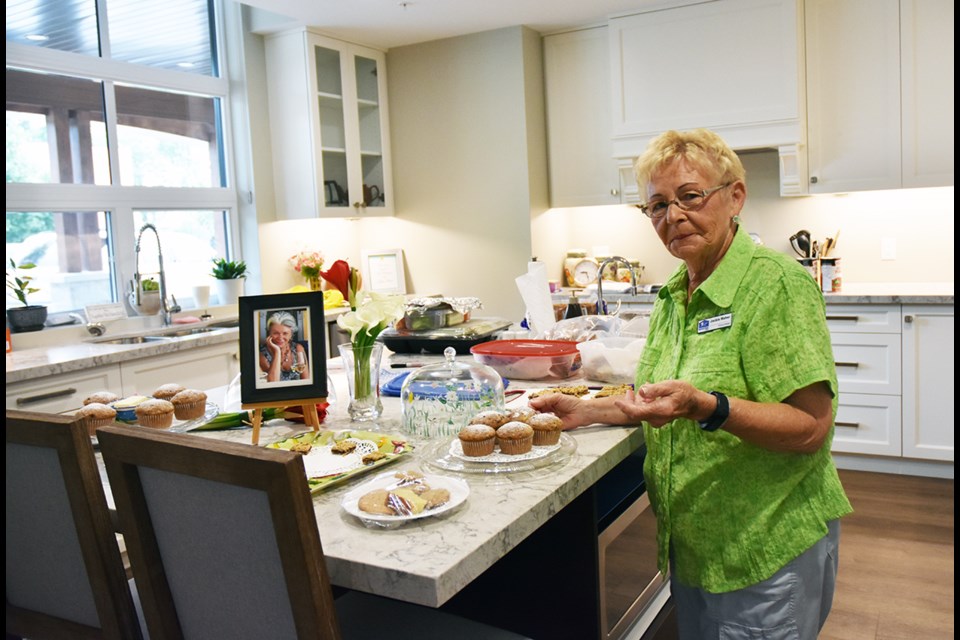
{"x":630,"y":583}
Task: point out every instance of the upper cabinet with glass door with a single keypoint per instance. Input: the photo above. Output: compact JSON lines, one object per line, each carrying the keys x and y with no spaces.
{"x":328,"y":121}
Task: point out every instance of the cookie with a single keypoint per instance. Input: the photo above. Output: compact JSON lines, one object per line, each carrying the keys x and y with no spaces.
{"x":375,"y":502}
{"x":343,"y":447}
{"x":435,"y":497}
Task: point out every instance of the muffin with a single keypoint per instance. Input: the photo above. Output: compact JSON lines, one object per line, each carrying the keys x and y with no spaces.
{"x":189,"y":404}
{"x":96,"y":414}
{"x":491,"y":418}
{"x":546,"y":429}
{"x":101,"y":397}
{"x":167,"y":391}
{"x":515,"y":438}
{"x":522,"y":414}
{"x":155,"y":413}
{"x":477,"y":440}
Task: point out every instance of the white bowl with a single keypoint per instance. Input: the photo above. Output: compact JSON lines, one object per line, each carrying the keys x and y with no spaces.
{"x":612,"y":359}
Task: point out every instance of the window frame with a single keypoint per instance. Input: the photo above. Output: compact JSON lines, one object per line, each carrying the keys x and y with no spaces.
{"x":121,"y":201}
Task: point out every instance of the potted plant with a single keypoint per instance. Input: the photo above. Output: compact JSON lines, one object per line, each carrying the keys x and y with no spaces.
{"x":229,"y":275}
{"x":149,"y":298}
{"x":29,"y":317}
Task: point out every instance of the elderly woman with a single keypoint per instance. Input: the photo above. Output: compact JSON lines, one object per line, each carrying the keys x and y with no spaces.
{"x":281,"y":357}
{"x":737,"y":391}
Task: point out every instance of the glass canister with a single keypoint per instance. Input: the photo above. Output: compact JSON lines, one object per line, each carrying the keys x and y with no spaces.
{"x":438,"y":400}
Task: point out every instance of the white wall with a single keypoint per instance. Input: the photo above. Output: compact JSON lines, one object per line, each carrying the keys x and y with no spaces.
{"x":921,"y":222}
{"x":469,"y":165}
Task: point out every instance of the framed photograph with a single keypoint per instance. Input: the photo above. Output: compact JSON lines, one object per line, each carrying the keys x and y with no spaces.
{"x":383,"y":271}
{"x":282,"y":354}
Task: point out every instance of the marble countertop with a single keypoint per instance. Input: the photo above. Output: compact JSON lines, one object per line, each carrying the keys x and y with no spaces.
{"x":427,"y":561}
{"x":72,"y":353}
{"x":39,"y":362}
{"x":853,"y":293}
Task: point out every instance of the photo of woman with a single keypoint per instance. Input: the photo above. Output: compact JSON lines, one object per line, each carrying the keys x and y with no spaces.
{"x":283,"y":347}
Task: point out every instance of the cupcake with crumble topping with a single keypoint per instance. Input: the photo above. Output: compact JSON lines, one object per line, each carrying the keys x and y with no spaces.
{"x":546,"y":429}
{"x":101,"y":397}
{"x":189,"y":404}
{"x":515,"y":438}
{"x":155,"y":413}
{"x":167,"y":391}
{"x":522,"y":414}
{"x":96,"y":414}
{"x":491,"y":418}
{"x":477,"y":440}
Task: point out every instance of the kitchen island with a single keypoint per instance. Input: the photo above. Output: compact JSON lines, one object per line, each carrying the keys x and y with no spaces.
{"x":520,"y":553}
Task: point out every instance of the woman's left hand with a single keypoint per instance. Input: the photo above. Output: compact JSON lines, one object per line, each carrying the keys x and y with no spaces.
{"x":660,"y":403}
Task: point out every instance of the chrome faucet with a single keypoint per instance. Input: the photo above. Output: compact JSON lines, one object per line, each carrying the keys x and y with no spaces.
{"x":601,"y":304}
{"x":165,"y":306}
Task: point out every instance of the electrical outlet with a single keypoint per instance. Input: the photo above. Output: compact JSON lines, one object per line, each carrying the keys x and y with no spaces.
{"x":888,"y":248}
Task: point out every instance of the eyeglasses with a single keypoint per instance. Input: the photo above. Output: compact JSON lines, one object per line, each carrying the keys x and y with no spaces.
{"x":691,"y":200}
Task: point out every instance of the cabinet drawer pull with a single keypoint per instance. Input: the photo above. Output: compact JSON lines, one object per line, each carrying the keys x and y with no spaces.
{"x":46,"y":396}
{"x":855,"y":425}
{"x":845,"y":318}
{"x":847,"y":364}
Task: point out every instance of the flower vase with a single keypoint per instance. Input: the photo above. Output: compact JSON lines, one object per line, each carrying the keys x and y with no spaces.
{"x":314,"y":283}
{"x":362,"y":366}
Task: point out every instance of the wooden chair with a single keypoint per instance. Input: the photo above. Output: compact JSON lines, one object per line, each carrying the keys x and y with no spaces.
{"x":65,"y":576}
{"x":223,"y":542}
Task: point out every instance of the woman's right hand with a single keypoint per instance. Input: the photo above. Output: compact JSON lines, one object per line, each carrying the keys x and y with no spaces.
{"x":273,"y":346}
{"x":570,"y":409}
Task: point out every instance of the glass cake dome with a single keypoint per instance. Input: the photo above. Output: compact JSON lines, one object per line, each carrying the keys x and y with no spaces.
{"x":439,"y":399}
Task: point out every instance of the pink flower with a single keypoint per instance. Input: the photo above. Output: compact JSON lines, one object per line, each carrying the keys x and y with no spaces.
{"x":307,"y":263}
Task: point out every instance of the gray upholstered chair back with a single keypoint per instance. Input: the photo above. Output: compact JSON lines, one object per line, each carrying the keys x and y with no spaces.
{"x":221,"y":536}
{"x":65,"y":575}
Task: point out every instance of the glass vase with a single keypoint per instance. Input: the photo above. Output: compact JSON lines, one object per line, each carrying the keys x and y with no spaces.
{"x":362,"y":366}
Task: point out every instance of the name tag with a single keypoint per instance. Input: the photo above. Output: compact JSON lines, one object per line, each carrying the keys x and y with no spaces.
{"x":712,"y":324}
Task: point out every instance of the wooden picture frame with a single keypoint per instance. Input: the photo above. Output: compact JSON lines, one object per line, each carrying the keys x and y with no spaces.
{"x":257,"y":314}
{"x":383,"y":272}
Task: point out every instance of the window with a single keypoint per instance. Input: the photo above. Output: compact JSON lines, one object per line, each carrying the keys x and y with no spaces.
{"x":115,"y":118}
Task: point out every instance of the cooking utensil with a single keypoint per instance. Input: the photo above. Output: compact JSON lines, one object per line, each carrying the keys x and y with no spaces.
{"x":800,"y":241}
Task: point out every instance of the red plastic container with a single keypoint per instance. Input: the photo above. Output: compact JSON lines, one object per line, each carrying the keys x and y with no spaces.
{"x":529,"y":359}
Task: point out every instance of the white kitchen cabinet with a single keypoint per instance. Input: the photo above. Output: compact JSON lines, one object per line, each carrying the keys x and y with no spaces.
{"x":577,"y":85}
{"x":199,"y":368}
{"x":62,"y":392}
{"x":731,"y":66}
{"x":879,"y":94}
{"x":328,"y":124}
{"x":866,"y":350}
{"x":928,"y":382}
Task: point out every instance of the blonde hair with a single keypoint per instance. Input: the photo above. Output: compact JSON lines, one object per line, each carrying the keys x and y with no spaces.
{"x":284,"y":318}
{"x":702,"y":148}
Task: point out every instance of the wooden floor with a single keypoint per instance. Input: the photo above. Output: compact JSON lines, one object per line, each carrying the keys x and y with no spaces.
{"x":896,"y":560}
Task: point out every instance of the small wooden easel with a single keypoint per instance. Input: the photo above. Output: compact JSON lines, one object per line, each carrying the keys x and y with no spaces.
{"x":308,"y":405}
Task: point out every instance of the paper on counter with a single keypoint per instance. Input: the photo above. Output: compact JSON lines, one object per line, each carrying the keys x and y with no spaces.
{"x":536,"y":296}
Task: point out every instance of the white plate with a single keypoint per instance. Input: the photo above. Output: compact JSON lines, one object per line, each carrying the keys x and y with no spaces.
{"x":456,"y":450}
{"x":459,"y":490}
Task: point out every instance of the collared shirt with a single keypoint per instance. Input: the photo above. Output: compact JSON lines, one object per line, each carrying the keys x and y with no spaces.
{"x":733,"y":513}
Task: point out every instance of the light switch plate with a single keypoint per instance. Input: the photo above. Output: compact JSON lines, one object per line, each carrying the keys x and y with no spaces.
{"x":888,"y":248}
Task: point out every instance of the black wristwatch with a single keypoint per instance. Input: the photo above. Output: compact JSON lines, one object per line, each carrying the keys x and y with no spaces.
{"x":719,"y":415}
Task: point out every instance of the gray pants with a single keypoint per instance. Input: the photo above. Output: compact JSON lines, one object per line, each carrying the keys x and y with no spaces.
{"x":790,"y":605}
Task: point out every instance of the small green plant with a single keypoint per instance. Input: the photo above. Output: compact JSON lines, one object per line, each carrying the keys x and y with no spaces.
{"x":20,"y":285}
{"x":150,"y":284}
{"x":224,"y":269}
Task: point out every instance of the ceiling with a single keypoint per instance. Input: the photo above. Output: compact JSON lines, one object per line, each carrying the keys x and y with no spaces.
{"x":386,"y":24}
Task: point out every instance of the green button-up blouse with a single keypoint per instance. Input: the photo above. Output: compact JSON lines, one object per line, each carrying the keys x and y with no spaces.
{"x":733,"y":513}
